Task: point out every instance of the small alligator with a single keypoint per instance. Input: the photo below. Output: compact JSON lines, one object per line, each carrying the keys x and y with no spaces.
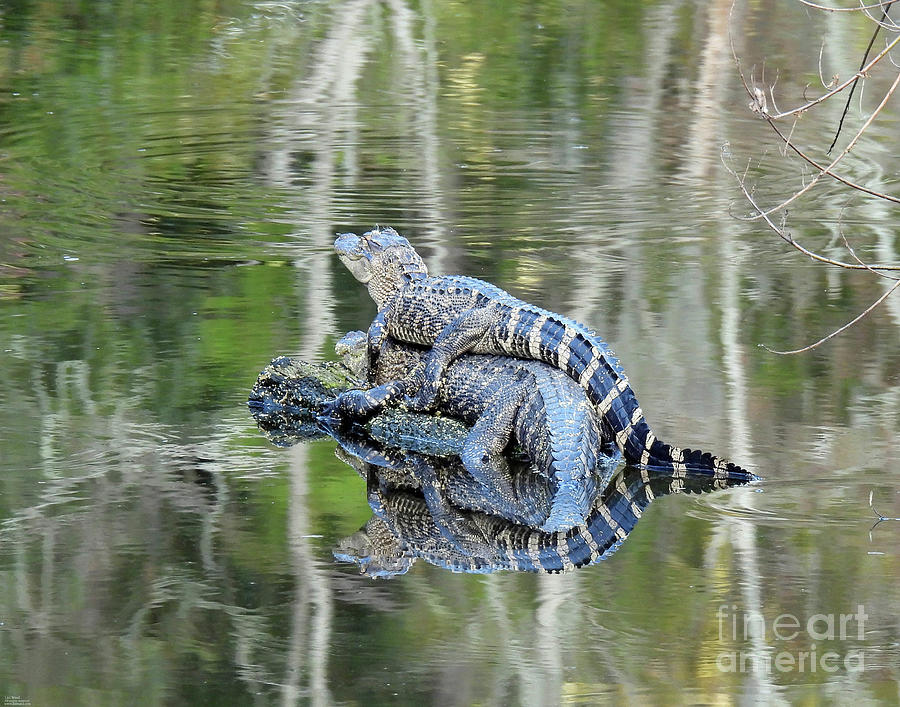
{"x":290,"y":395}
{"x":455,"y":314}
{"x":414,"y":517}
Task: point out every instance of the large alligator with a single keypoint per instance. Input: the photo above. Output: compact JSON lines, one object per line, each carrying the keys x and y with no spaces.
{"x":414,"y":517}
{"x":428,"y":507}
{"x":504,"y":399}
{"x":457,"y":314}
{"x":290,"y":394}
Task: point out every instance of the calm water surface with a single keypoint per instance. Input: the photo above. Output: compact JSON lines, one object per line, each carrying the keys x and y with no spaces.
{"x":171,"y":178}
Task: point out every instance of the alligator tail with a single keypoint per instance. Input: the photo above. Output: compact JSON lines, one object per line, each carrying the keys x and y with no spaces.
{"x":642,"y":446}
{"x":586,"y":358}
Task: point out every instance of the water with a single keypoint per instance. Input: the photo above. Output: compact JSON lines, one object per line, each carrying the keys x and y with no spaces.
{"x":171,"y":177}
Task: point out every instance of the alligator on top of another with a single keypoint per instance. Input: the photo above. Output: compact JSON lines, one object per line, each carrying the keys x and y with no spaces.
{"x":504,"y":399}
{"x":455,"y":315}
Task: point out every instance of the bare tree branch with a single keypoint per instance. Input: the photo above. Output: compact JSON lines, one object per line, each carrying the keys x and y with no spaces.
{"x":853,"y":252}
{"x":822,"y":168}
{"x":827,"y":170}
{"x":884,"y":14}
{"x":833,"y":334}
{"x":858,"y":8}
{"x":861,"y":74}
{"x":788,"y":238}
{"x":762,"y":98}
{"x":881,"y":518}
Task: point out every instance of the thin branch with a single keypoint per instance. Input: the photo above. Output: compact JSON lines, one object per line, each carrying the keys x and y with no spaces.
{"x":844,"y":153}
{"x":822,"y":168}
{"x":884,"y":13}
{"x":787,"y":141}
{"x":787,"y":238}
{"x":853,"y":252}
{"x":889,"y":26}
{"x":877,"y":514}
{"x":825,"y":96}
{"x":772,"y":93}
{"x":846,"y":326}
{"x":821,"y":78}
{"x":858,"y":8}
{"x":759,"y":98}
{"x":758,"y":105}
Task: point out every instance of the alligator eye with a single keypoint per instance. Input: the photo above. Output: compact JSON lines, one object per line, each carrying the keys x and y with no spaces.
{"x":485,"y":459}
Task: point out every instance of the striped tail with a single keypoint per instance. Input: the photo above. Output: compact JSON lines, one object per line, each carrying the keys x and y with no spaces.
{"x":655,"y":454}
{"x":588,"y":360}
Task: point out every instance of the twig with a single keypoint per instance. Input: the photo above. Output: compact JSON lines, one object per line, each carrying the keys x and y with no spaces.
{"x":787,"y":238}
{"x":853,"y":252}
{"x":890,"y":25}
{"x":758,"y":104}
{"x":821,"y":78}
{"x":834,"y":175}
{"x":846,"y":326}
{"x":844,"y":153}
{"x":858,"y":8}
{"x":825,"y":96}
{"x":878,"y":515}
{"x":884,"y":13}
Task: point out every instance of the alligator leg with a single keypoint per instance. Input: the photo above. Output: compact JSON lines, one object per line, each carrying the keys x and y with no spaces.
{"x":482,"y":453}
{"x":376,"y":337}
{"x":454,"y":526}
{"x":364,"y":403}
{"x":463,"y":334}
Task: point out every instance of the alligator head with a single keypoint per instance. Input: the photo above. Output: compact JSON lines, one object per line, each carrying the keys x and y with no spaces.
{"x":381,"y":259}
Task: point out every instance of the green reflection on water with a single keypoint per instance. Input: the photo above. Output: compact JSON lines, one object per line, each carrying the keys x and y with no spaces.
{"x":171,"y":175}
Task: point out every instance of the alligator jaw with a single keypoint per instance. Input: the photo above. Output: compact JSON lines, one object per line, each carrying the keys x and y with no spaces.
{"x":349,"y":248}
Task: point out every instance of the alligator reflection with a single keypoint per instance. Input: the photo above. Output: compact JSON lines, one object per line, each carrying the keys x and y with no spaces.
{"x":426,"y":505}
{"x":420,"y":512}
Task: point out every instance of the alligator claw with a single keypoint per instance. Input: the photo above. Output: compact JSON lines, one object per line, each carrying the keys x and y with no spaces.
{"x":330,"y":411}
{"x":350,"y":403}
{"x":423,"y":400}
{"x":328,"y":423}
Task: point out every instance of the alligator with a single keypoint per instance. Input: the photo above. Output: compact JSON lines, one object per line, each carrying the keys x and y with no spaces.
{"x":414,"y":517}
{"x":455,"y":314}
{"x":520,"y":495}
{"x":287,"y":401}
{"x":429,"y":506}
{"x":532,"y":405}
{"x":290,"y":395}
{"x":504,"y":399}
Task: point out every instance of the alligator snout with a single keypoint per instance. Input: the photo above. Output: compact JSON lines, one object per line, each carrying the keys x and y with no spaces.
{"x":347,"y":245}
